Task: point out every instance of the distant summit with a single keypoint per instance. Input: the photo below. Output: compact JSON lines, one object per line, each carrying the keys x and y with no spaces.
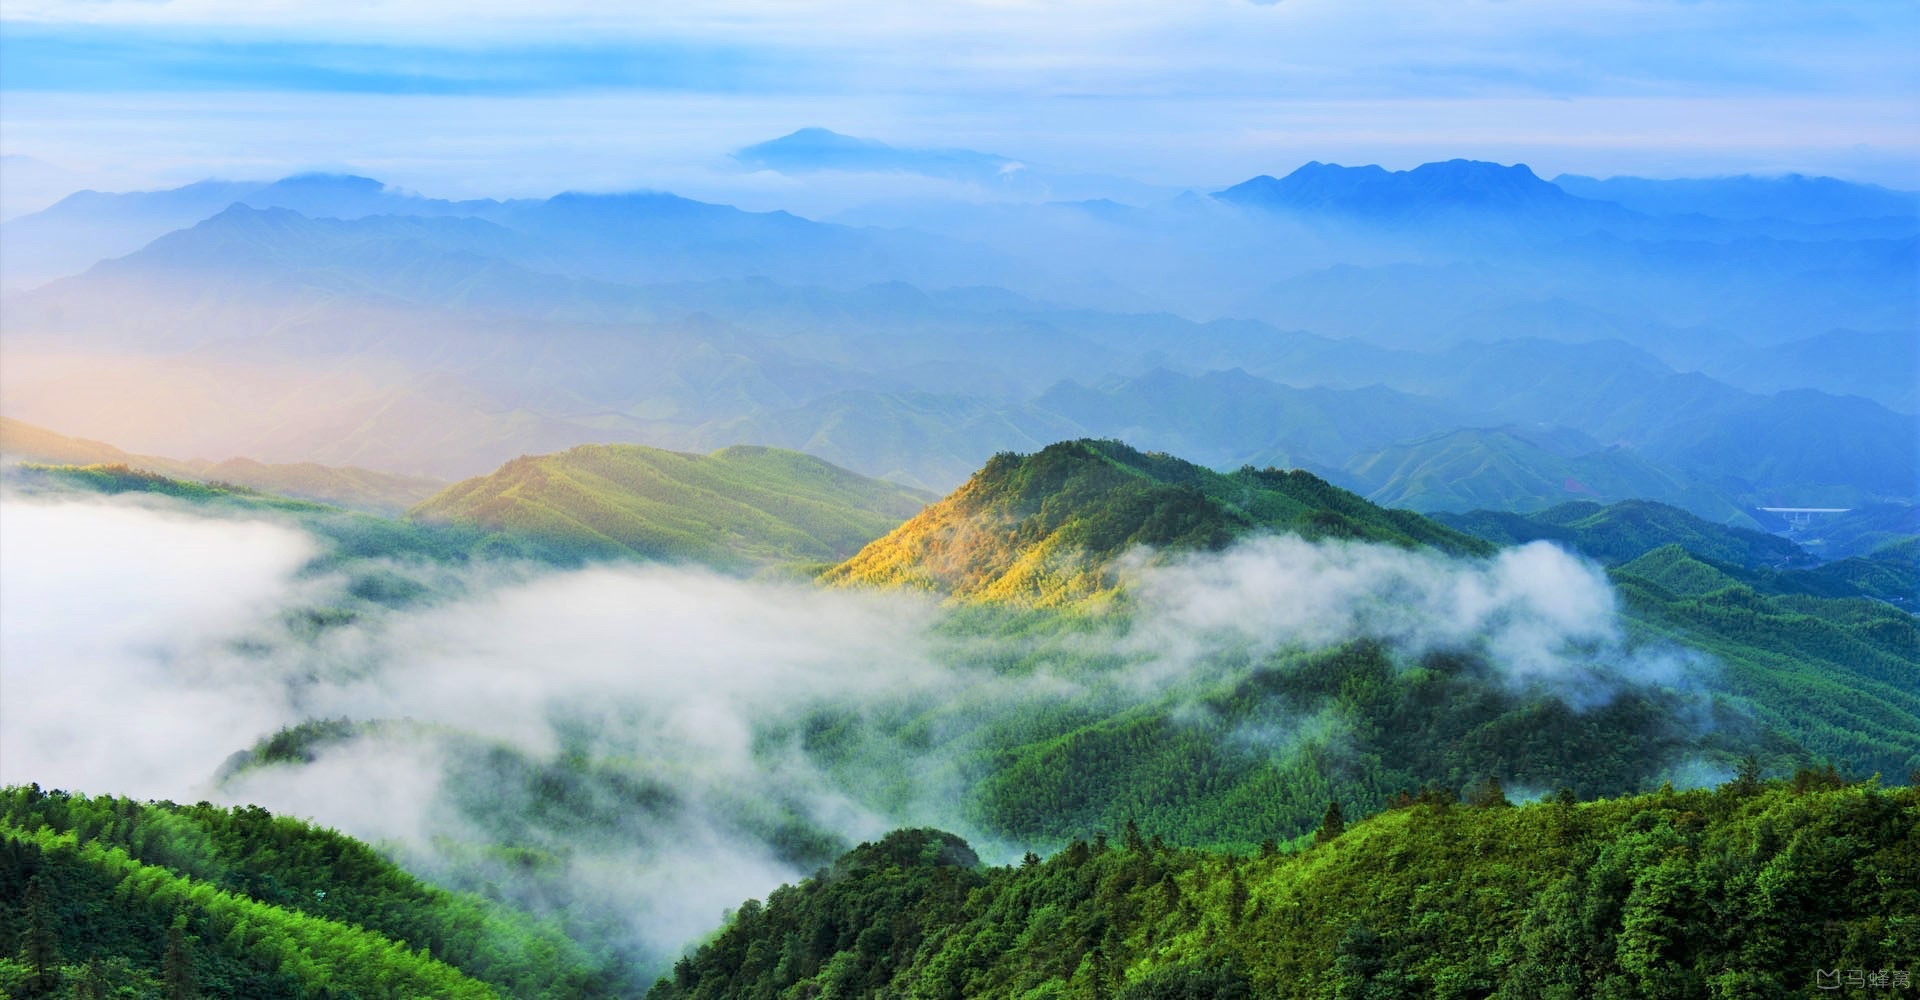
{"x":1432,"y":189}
{"x":816,"y":149}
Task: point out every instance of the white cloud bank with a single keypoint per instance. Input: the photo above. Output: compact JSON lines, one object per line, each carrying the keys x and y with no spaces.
{"x":140,"y":648}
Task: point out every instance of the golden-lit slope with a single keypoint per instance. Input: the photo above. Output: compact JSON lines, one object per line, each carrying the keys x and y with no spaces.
{"x":1045,"y":529}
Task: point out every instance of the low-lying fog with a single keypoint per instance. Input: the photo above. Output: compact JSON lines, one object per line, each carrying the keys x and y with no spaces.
{"x":142,"y":645}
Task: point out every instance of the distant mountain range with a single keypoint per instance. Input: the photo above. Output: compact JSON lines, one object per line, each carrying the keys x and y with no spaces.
{"x":1454,"y":336}
{"x":89,"y":226}
{"x":1453,"y":192}
{"x":842,"y":373}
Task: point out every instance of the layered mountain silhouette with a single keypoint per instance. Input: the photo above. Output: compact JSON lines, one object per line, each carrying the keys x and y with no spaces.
{"x":90,"y":225}
{"x":358,"y":325}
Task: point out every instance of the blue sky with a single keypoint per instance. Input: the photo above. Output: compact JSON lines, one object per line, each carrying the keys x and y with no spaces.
{"x":498,"y":97}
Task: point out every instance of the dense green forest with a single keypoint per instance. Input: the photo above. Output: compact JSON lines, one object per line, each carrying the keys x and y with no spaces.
{"x":1744,"y":891}
{"x":106,"y":895}
{"x":1823,"y":655}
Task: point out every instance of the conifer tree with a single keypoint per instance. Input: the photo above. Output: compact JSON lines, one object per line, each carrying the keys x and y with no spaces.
{"x":1236,"y":897}
{"x":1332,"y":825}
{"x":177,"y":967}
{"x":38,"y":947}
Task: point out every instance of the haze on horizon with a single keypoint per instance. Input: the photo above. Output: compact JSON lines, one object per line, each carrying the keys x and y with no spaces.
{"x":505,"y":99}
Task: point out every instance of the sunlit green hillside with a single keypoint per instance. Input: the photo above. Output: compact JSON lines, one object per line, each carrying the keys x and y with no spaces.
{"x":740,"y":506}
{"x":1045,"y":529}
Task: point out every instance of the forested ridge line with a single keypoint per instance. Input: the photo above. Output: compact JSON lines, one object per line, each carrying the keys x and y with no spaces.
{"x":1743,"y":891}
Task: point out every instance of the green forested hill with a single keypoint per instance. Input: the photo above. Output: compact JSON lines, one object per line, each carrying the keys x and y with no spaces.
{"x":738,"y":507}
{"x":1615,"y":533}
{"x":1745,"y":891}
{"x":1633,"y":532}
{"x":1838,"y":676}
{"x":1279,"y":740}
{"x":1826,"y":656}
{"x":108,"y":895}
{"x":1044,"y":529}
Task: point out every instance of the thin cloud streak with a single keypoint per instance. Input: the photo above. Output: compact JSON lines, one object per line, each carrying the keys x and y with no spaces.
{"x":1304,"y":49}
{"x":508,"y":99}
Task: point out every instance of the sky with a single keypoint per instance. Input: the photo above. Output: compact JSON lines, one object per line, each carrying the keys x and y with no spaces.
{"x":488,"y":97}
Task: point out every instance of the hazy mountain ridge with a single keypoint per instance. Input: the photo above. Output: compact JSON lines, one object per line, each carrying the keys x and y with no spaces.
{"x":1510,"y":468}
{"x":1793,"y":197}
{"x":1880,"y":366}
{"x":425,"y":292}
{"x":90,"y":226}
{"x":1226,"y":419}
{"x":1457,"y":191}
{"x":446,"y":337}
{"x":363,"y":489}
